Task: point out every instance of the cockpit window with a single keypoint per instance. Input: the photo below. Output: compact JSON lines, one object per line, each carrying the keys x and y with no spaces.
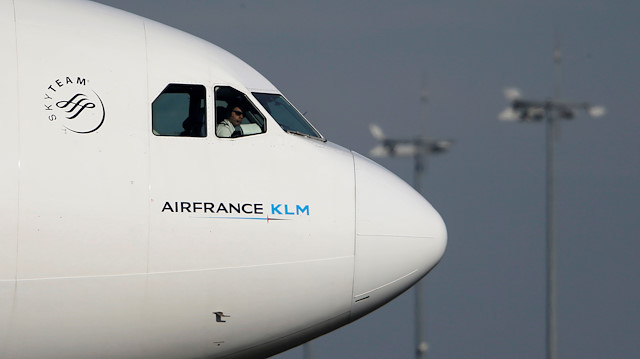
{"x":235,"y":114}
{"x":180,"y":110}
{"x":286,"y":115}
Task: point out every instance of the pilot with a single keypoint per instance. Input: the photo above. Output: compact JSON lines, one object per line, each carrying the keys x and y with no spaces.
{"x":227,"y":127}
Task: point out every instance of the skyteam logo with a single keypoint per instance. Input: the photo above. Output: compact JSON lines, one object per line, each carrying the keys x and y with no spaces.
{"x":230,"y":210}
{"x":70,"y":102}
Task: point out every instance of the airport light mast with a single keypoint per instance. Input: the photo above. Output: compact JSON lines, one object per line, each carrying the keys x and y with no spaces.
{"x":551,"y":112}
{"x":420,"y":148}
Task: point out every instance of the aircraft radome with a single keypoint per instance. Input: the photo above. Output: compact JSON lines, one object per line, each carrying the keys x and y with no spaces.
{"x":131,"y":229}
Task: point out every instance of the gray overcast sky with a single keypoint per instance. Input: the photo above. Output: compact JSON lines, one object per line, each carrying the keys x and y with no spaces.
{"x":349,"y":63}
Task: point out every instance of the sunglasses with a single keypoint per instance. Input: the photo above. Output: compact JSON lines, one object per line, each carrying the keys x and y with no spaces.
{"x":239,"y":113}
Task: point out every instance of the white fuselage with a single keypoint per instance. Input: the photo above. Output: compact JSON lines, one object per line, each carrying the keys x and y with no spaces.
{"x":119,"y":243}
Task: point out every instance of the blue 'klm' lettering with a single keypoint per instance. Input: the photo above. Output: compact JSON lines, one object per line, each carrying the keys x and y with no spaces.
{"x":285,"y":209}
{"x":301,"y":210}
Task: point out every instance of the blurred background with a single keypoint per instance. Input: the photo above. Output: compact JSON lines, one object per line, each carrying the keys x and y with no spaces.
{"x":347,"y":64}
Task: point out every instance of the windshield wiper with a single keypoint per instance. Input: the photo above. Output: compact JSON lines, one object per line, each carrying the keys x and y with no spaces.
{"x":306,"y":135}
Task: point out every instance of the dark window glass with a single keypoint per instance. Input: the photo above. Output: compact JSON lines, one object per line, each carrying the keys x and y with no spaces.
{"x":180,"y":110}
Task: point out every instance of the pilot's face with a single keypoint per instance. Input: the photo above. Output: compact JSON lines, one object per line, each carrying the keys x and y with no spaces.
{"x":236,"y":116}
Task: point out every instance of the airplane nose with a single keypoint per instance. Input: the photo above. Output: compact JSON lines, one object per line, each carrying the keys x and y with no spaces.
{"x":400,"y":237}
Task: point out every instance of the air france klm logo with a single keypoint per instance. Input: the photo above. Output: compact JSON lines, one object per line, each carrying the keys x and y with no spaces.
{"x":72,"y":103}
{"x":230,"y":210}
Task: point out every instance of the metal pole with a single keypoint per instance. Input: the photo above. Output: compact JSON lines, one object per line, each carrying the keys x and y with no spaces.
{"x":421,"y":147}
{"x":550,"y":234}
{"x":552,"y":131}
{"x":420,"y":159}
{"x":420,"y":341}
{"x":554,"y":111}
{"x":306,"y":350}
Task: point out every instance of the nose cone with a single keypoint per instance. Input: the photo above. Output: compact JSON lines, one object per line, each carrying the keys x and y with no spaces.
{"x":399,"y":237}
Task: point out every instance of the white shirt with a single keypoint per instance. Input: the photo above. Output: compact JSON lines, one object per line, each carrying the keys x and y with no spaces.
{"x":225,"y":128}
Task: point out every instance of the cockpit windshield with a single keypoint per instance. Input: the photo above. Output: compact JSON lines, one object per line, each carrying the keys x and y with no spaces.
{"x":286,"y":115}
